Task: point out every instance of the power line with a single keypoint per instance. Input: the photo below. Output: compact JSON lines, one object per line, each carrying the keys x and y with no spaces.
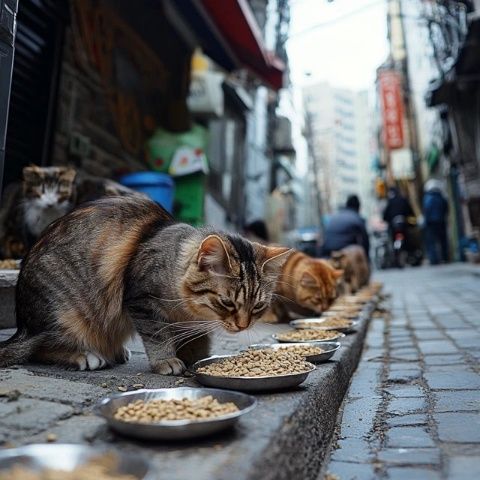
{"x":337,"y":20}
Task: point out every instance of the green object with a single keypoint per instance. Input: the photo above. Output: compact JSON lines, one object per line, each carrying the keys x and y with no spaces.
{"x":432,"y":157}
{"x":182,"y":155}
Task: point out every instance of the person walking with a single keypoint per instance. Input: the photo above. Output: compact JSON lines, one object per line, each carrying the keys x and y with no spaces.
{"x":435,"y":214}
{"x":346,"y":227}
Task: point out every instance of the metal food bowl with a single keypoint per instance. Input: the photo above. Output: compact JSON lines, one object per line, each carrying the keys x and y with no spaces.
{"x":173,"y":429}
{"x":68,"y":457}
{"x":248,"y":384}
{"x":316,"y":324}
{"x":329,"y":348}
{"x":347,"y":315}
{"x":315,"y":342}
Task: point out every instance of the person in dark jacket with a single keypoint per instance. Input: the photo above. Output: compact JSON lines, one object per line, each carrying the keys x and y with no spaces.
{"x":397,"y":205}
{"x":435,"y":213}
{"x":346,"y":227}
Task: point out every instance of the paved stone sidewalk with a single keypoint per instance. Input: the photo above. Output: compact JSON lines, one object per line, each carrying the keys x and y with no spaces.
{"x":413,"y":408}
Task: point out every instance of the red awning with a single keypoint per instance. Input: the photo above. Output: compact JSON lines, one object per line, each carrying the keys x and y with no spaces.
{"x":237,"y":25}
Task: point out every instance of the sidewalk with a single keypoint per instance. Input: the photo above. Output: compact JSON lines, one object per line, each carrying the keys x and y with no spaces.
{"x":413,"y":407}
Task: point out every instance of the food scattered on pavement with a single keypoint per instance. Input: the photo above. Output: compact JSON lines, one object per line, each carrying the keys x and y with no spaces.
{"x":159,"y":410}
{"x":258,"y":363}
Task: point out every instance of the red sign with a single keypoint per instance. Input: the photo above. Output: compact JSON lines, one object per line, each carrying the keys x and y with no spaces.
{"x":390,"y":83}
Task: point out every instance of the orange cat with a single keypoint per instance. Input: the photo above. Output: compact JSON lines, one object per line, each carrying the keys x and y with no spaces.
{"x":354,"y":263}
{"x":305,"y":285}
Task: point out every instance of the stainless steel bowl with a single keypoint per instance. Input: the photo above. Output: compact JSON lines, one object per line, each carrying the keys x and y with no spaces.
{"x":329,"y":348}
{"x":348,"y":315}
{"x":248,"y":384}
{"x":316,"y":324}
{"x":173,"y":429}
{"x":68,"y":457}
{"x":315,"y":342}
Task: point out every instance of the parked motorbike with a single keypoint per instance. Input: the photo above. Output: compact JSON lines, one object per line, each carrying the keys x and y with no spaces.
{"x":406,"y":242}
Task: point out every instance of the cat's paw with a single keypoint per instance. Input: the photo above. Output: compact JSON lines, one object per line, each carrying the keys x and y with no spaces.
{"x":124,"y":356}
{"x":169,"y":366}
{"x":90,"y":361}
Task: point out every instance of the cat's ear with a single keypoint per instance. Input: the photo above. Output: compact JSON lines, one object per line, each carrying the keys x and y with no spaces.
{"x":30,"y":173}
{"x":274,"y":258}
{"x":337,"y":274}
{"x":213,"y":255}
{"x":68,"y":174}
{"x":308,"y":280}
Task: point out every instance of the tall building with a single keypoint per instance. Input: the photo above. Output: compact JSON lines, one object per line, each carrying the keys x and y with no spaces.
{"x":340,"y":130}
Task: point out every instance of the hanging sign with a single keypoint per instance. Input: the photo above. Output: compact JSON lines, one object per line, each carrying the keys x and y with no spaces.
{"x":390,"y":83}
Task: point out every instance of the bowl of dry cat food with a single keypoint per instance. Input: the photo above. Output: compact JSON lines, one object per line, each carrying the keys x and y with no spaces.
{"x":254,"y":370}
{"x":9,"y":264}
{"x":173,"y":413}
{"x":341,"y":309}
{"x":342,"y":313}
{"x":71,"y":462}
{"x":337,"y":323}
{"x":312,"y":352}
{"x":307,"y":335}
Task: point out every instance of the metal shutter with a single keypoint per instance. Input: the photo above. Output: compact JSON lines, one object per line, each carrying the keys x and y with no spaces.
{"x":40,"y":28}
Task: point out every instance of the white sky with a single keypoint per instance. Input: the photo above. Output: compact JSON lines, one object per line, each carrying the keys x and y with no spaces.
{"x":346,"y":51}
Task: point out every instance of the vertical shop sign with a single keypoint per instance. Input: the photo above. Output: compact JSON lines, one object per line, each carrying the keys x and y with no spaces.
{"x":392,"y":108}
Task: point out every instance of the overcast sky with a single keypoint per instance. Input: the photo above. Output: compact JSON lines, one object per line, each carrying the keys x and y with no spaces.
{"x":344,"y":51}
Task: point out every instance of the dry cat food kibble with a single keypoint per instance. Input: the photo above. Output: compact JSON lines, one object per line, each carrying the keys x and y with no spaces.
{"x":307,"y":334}
{"x":303,"y":350}
{"x":185,"y":409}
{"x":333,"y":322}
{"x":100,"y":468}
{"x":258,"y":363}
{"x":8,"y":264}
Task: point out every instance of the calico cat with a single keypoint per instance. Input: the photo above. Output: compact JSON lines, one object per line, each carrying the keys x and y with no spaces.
{"x":306,"y":285}
{"x":46,"y":193}
{"x":122,"y":263}
{"x":354,"y":263}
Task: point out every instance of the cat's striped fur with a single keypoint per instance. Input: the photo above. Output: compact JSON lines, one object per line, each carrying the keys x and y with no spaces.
{"x":122,"y":264}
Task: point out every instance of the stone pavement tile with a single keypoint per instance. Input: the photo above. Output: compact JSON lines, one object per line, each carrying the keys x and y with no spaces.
{"x":463,"y":467}
{"x":412,"y":474}
{"x":404,"y":357}
{"x":452,"y":380}
{"x":410,"y":456}
{"x":402,"y":406}
{"x":48,"y":388}
{"x":432,"y":347}
{"x":409,"y":437}
{"x":358,"y":416}
{"x":470,"y":342}
{"x":444,"y":359}
{"x":429,"y":335}
{"x":394,"y":366}
{"x":457,"y":400}
{"x":366,"y":379}
{"x":406,"y":420}
{"x":452,"y":322}
{"x":352,"y":471}
{"x":423,"y":325}
{"x":406,"y":391}
{"x":76,"y":429}
{"x":458,"y":427}
{"x":35,"y":414}
{"x":458,"y":332}
{"x":352,"y":450}
{"x":401,"y":351}
{"x":404,"y":376}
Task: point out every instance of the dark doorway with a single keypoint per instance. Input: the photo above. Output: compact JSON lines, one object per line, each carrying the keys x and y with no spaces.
{"x":38,"y":45}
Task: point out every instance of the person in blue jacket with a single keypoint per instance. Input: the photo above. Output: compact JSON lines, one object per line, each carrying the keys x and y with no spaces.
{"x":435,"y":213}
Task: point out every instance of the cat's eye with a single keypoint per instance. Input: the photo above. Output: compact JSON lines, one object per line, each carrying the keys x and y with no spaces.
{"x":259,"y":306}
{"x":226,"y":302}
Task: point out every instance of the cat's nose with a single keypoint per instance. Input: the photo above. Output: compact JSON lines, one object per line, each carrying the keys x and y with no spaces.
{"x":242,"y":322}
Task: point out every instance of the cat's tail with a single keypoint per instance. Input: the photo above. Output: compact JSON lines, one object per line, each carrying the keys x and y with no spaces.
{"x":18,"y":349}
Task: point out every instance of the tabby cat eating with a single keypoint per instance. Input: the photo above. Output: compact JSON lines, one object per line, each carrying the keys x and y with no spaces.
{"x":121,"y":264}
{"x":306,"y":285}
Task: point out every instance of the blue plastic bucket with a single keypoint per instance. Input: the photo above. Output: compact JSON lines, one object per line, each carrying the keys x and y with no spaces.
{"x":158,"y":186}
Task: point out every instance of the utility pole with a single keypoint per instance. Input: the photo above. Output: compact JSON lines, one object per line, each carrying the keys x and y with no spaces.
{"x":314,"y":166}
